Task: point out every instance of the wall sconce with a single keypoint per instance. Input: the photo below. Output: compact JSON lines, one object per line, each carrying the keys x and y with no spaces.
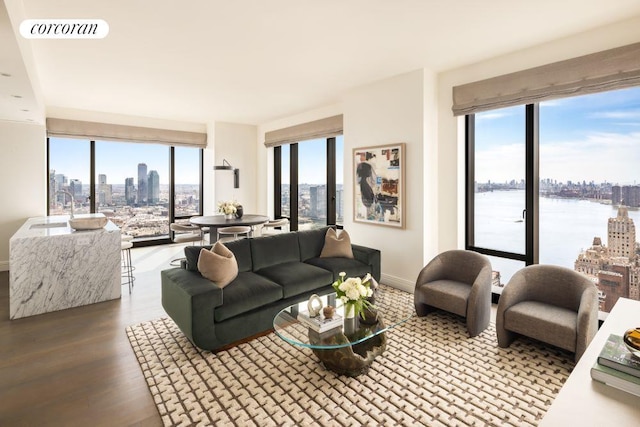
{"x":226,"y":166}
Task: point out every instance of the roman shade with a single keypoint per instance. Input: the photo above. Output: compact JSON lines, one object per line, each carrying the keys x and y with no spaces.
{"x":93,"y":131}
{"x":323,"y":128}
{"x":602,"y":71}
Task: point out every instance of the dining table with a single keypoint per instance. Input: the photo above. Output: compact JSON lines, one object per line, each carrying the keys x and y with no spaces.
{"x":217,"y":221}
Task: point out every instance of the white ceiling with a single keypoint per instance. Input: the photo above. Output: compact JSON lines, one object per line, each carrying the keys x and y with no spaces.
{"x":252,"y":61}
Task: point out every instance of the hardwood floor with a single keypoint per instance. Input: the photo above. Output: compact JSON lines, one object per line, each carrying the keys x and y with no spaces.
{"x":76,"y":367}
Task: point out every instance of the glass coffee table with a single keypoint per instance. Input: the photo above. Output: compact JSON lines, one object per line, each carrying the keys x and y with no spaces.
{"x":348,"y":349}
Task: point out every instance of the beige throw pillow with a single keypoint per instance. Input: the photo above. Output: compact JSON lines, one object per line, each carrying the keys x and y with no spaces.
{"x":336,"y":246}
{"x":218,"y":265}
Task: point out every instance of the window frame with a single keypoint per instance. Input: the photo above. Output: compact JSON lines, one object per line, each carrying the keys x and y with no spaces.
{"x":532,"y":163}
{"x":139,"y":242}
{"x":293,"y":182}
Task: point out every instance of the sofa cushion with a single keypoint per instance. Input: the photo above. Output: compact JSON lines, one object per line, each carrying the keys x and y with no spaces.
{"x":311,"y":242}
{"x":297,"y":277}
{"x":280,"y":248}
{"x":548,"y":323}
{"x":336,"y":245}
{"x":218,"y":265}
{"x":247,"y":292}
{"x":352,"y":267}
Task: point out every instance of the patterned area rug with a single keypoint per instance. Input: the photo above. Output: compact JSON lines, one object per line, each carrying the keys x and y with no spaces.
{"x":431,"y":374}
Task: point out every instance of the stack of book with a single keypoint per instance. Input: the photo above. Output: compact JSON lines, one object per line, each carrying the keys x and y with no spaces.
{"x":617,"y":367}
{"x":320,"y":323}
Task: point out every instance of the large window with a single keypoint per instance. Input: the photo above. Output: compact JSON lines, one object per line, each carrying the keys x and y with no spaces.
{"x":573,"y":163}
{"x":69,"y":176}
{"x":307,"y":172}
{"x":142,"y":188}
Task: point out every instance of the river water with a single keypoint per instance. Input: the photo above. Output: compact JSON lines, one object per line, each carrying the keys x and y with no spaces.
{"x":567,"y":226}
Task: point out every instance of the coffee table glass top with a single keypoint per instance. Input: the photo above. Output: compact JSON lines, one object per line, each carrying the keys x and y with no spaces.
{"x":351,"y":332}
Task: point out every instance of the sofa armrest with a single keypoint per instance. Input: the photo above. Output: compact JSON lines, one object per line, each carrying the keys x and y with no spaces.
{"x":370,"y":257}
{"x":190,"y":299}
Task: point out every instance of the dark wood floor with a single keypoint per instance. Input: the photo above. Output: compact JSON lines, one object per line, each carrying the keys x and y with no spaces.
{"x":76,"y":366}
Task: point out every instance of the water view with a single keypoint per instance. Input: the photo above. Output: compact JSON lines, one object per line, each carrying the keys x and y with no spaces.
{"x":567,"y":227}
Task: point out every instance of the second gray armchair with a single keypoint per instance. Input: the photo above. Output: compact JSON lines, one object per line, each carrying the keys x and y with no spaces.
{"x":457,"y":281}
{"x":549,"y":303}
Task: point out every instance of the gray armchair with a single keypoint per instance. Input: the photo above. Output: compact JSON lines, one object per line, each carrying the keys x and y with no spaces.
{"x":549,"y":303}
{"x":457,"y":281}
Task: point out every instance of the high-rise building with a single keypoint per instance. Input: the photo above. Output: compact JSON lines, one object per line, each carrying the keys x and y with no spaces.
{"x":129,"y":191}
{"x":143,"y":191}
{"x":154,"y":187}
{"x":339,"y":205}
{"x":104,"y":191}
{"x":614,"y":268}
{"x":622,"y":235}
{"x":75,"y":188}
{"x":616,"y":195}
{"x":318,"y":201}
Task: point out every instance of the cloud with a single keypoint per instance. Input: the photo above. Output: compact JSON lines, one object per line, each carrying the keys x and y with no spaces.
{"x":625,"y":115}
{"x":599,"y":157}
{"x":492,"y":116}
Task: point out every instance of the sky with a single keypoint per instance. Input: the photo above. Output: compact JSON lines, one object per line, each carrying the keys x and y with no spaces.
{"x":312,"y":163}
{"x":120,"y":160}
{"x":592,"y":138}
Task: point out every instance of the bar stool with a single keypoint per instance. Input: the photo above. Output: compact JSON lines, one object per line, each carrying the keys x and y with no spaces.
{"x":126,"y":265}
{"x":236,"y":231}
{"x":270,"y":227}
{"x":185,"y":233}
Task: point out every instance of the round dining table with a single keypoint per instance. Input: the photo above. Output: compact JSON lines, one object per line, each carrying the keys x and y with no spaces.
{"x":217,"y":221}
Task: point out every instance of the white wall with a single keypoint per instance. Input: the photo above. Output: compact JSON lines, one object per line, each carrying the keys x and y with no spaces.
{"x":385,"y":112}
{"x":451,"y":130}
{"x":23,"y":180}
{"x":236,"y":144}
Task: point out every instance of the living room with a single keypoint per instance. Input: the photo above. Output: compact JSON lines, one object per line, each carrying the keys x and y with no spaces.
{"x":406,"y":101}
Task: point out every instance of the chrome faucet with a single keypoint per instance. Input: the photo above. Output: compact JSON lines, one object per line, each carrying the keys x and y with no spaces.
{"x":71,"y":197}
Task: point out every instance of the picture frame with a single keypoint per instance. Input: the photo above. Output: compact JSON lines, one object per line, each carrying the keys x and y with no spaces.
{"x":379,"y":181}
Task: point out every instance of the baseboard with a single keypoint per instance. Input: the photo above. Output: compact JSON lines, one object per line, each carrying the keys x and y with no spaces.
{"x":397,"y":282}
{"x":4,"y":265}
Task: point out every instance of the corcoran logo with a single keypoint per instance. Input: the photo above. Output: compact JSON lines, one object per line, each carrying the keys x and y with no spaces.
{"x":64,"y":28}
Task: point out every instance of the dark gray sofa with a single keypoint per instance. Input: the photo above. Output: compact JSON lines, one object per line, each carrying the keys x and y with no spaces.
{"x":274,"y":272}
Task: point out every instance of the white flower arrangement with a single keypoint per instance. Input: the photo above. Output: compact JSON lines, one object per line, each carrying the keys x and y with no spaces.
{"x":354,"y":292}
{"x":228,"y":207}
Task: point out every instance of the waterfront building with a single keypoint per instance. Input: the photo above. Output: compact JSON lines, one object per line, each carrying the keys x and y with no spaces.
{"x":614,"y":268}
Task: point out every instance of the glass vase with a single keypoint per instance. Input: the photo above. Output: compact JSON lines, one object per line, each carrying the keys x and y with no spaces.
{"x":349,"y":311}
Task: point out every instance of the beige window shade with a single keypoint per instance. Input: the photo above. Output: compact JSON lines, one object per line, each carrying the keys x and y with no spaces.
{"x":612,"y":69}
{"x":110,"y":132}
{"x":323,"y":128}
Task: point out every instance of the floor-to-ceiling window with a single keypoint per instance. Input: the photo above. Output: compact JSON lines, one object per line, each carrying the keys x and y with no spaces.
{"x":308,"y":189}
{"x":142,"y":188}
{"x":575,"y":161}
{"x":133,"y":190}
{"x":69,"y":176}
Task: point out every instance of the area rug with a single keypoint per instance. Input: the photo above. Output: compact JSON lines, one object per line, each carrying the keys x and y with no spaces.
{"x":431,"y":374}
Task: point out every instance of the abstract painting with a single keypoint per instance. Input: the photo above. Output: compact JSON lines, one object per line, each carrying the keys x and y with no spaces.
{"x":379,"y":185}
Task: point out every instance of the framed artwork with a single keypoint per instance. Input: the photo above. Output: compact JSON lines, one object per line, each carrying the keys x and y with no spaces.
{"x":379,"y":185}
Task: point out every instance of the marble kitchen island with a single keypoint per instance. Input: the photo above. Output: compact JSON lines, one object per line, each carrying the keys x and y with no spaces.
{"x":54,"y":267}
